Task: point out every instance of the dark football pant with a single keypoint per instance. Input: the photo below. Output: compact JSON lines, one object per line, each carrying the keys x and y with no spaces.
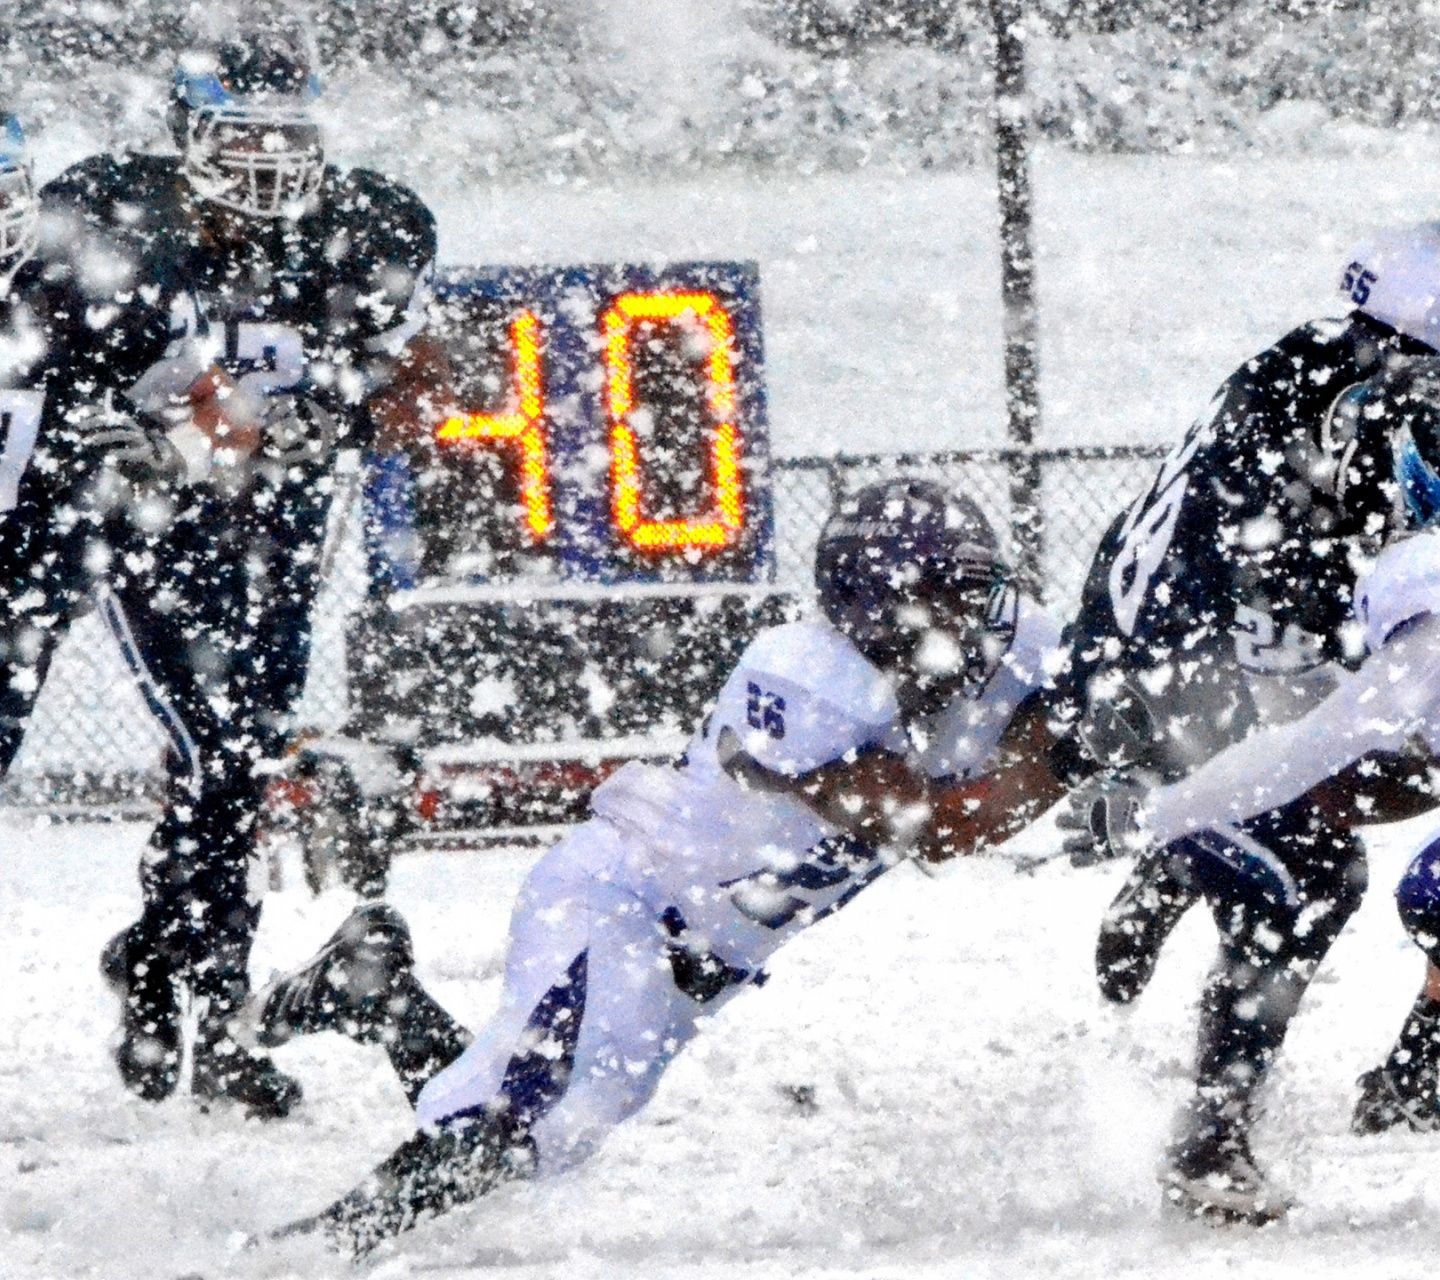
{"x":178,"y":622}
{"x":1280,"y":888}
{"x":216,"y":628}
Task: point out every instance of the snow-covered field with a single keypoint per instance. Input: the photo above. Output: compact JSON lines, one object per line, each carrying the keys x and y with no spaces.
{"x":977,"y":1111}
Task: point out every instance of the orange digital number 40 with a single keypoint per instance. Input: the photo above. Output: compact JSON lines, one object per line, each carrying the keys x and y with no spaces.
{"x":719,"y":526}
{"x":522,"y":423}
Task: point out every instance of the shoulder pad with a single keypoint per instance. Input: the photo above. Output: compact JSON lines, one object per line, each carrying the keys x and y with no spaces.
{"x":1404,"y":584}
{"x":1395,"y":278}
{"x":391,"y":213}
{"x":816,"y":657}
{"x":85,"y":178}
{"x":98,"y":178}
{"x":802,"y":696}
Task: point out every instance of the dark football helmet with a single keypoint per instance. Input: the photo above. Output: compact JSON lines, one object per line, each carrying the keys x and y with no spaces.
{"x":243,"y":119}
{"x":19,"y":206}
{"x":912,"y":575}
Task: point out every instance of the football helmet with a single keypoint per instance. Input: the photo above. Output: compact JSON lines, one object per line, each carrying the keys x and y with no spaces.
{"x":243,"y":120}
{"x":19,"y":206}
{"x":912,"y":575}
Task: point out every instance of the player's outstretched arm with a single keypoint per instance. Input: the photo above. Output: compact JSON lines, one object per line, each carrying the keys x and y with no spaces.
{"x":1015,"y":790}
{"x":1394,"y":696}
{"x":877,"y":796}
{"x":873,"y":795}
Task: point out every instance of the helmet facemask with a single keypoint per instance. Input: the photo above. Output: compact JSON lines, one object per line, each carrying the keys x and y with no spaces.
{"x":1407,"y":408}
{"x":19,"y":219}
{"x":260,"y":159}
{"x":953,"y":649}
{"x":19,"y":205}
{"x":930,"y":625}
{"x":1418,"y":480}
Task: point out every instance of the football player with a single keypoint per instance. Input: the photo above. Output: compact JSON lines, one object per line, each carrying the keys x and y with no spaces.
{"x":909,"y":720}
{"x":1217,"y":604}
{"x":311,"y":280}
{"x":84,"y":324}
{"x":1390,"y":704}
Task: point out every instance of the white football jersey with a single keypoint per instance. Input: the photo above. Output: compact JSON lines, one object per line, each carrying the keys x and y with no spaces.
{"x":1404,"y":583}
{"x":1395,"y":278}
{"x":748,"y":869}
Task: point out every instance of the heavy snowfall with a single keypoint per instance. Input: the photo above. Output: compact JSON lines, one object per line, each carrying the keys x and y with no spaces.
{"x":930,"y":1086}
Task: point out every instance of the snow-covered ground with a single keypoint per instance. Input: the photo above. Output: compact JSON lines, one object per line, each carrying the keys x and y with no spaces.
{"x":977,"y":1112}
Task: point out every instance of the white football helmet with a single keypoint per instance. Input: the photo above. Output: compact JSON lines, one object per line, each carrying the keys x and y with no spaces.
{"x":243,"y":121}
{"x":19,"y":206}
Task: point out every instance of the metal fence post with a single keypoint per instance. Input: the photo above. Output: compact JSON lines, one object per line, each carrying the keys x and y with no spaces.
{"x":1017,"y":287}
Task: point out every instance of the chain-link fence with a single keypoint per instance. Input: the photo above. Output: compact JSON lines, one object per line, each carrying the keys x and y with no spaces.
{"x":1077,"y":493}
{"x":93,"y":743}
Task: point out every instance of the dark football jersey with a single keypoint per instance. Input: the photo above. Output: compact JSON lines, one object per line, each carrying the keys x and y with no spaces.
{"x":1227,"y":586}
{"x":307,"y":316}
{"x":314,"y":306}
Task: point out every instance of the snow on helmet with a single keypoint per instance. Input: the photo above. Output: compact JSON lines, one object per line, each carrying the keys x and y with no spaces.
{"x":912,"y":575}
{"x":19,"y":207}
{"x":1412,"y":408}
{"x":242,"y":116}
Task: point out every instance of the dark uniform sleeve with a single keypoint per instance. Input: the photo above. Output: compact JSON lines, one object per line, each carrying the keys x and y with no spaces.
{"x":114,"y":308}
{"x":381,"y":289}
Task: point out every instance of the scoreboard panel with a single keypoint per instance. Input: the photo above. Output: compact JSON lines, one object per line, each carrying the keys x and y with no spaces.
{"x":611,"y":428}
{"x":585,"y":546}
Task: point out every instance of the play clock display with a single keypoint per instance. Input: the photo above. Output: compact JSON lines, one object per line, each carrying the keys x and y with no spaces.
{"x":584,"y":547}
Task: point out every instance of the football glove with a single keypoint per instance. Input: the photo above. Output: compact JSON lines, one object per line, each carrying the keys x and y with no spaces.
{"x":1103,"y":819}
{"x":298,"y":429}
{"x":140,"y":455}
{"x":1117,"y":728}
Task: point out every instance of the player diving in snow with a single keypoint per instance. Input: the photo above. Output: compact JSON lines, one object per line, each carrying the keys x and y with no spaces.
{"x":1220,"y":604}
{"x":310,"y":281}
{"x":908,"y":721}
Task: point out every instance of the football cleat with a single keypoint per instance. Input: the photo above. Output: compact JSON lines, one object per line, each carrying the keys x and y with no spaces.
{"x":1385,"y":1103}
{"x":427,"y":1175}
{"x":1134,"y":928}
{"x":1215,"y":1179}
{"x":148,"y":1056}
{"x":224,"y":1072}
{"x":348,"y":985}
